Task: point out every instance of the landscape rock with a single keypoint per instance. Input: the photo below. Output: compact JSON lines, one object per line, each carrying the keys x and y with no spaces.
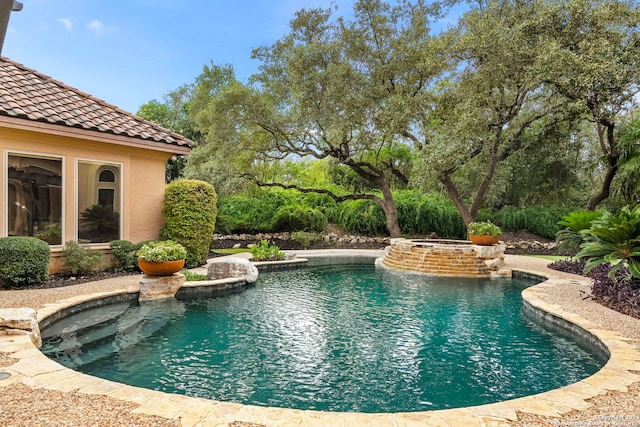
{"x":20,"y":321}
{"x":232,"y":267}
{"x":158,"y":287}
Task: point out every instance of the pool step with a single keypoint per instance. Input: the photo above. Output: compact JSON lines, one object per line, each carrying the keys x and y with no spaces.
{"x":77,"y":346}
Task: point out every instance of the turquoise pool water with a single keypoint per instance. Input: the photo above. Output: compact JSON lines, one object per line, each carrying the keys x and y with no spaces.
{"x":332,"y":338}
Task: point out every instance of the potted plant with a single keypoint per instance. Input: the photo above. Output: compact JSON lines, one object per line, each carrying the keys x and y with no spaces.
{"x":161,"y":258}
{"x":483,"y":233}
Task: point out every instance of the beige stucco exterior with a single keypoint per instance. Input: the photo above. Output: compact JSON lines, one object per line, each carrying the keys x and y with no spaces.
{"x":141,"y":163}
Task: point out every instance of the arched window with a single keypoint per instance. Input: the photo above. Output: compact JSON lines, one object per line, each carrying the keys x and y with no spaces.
{"x":107,"y":186}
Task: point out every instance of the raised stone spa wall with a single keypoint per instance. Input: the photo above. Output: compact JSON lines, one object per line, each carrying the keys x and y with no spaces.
{"x":445,"y":258}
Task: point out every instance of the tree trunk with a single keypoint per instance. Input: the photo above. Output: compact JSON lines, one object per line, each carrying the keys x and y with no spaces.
{"x":389,"y":207}
{"x":612,"y":169}
{"x":457,"y":200}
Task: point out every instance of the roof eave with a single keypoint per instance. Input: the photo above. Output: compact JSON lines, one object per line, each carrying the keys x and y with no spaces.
{"x":71,"y":132}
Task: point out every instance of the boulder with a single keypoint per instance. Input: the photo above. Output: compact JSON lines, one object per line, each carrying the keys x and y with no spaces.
{"x":20,"y":321}
{"x":158,"y":287}
{"x":235,"y":267}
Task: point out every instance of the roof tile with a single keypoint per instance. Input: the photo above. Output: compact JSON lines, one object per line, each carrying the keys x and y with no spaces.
{"x":30,"y":95}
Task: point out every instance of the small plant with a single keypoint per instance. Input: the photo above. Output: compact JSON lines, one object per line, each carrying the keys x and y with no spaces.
{"x":100,"y":223}
{"x":193,"y":277}
{"x":162,"y":251}
{"x":80,"y":260}
{"x":305,"y":239}
{"x":483,"y":228}
{"x":23,"y":261}
{"x":266,"y":252}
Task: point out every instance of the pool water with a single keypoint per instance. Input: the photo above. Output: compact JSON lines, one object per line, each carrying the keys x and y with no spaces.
{"x":331,"y":338}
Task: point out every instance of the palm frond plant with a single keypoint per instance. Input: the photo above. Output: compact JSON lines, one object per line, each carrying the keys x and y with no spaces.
{"x":571,"y":237}
{"x":614,"y":239}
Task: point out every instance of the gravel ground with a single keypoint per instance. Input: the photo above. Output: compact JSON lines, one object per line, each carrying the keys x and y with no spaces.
{"x":23,"y":406}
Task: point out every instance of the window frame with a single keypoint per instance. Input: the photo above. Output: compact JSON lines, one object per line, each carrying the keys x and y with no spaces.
{"x":5,"y":183}
{"x":118,"y":188}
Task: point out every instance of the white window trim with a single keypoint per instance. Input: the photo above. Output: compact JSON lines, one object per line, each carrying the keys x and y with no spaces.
{"x":5,"y":183}
{"x":76,"y":214}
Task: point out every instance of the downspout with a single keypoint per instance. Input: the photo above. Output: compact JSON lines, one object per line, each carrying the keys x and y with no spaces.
{"x":6,"y":7}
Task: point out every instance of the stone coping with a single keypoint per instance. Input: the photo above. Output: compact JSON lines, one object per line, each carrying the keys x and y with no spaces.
{"x":35,"y":370}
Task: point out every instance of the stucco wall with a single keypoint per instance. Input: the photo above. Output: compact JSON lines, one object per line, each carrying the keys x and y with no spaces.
{"x":143,"y":172}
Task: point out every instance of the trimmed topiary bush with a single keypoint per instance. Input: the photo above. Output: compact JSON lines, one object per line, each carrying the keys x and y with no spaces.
{"x":23,"y":261}
{"x":190,"y":217}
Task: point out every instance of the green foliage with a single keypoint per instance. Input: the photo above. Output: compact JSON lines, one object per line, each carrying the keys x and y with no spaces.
{"x":23,"y":261}
{"x":421,"y":213}
{"x":361,"y":217}
{"x":165,"y":250}
{"x":79,"y":259}
{"x":299,"y":218}
{"x":539,"y":220}
{"x":125,"y":254}
{"x":571,"y":237}
{"x":305,"y":239}
{"x":189,"y":217}
{"x":614,"y":239}
{"x":484,"y":228}
{"x":193,"y":277}
{"x":267,"y":252}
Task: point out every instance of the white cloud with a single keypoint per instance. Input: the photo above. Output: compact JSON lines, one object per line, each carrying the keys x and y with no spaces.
{"x":96,"y":26}
{"x":67,"y":23}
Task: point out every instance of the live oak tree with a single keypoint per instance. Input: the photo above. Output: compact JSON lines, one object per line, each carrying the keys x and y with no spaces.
{"x":346,"y":90}
{"x":592,"y":60}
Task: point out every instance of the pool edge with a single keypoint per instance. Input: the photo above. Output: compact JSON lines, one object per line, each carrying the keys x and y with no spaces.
{"x":34,"y":369}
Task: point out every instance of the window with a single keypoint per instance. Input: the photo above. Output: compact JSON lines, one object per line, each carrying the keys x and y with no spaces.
{"x":99,"y":190}
{"x":34,"y":197}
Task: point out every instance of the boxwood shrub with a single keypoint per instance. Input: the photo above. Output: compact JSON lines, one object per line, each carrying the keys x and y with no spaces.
{"x":190,"y":217}
{"x":23,"y":261}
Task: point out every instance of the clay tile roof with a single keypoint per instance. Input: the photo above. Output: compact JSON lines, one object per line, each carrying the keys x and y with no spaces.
{"x":27,"y":94}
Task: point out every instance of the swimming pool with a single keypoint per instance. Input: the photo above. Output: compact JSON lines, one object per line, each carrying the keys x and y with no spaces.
{"x":333,"y":338}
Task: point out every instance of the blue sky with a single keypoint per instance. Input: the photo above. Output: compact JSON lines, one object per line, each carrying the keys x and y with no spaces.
{"x":130,"y":52}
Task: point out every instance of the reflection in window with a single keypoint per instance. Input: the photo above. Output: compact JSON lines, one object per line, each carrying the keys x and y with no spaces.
{"x":98,"y":202}
{"x":34,"y":189}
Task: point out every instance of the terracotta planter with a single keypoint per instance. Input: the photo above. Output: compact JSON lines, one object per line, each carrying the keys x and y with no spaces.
{"x":166,"y":268}
{"x":484,"y":240}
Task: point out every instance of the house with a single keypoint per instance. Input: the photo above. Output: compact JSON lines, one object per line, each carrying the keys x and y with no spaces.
{"x":74,"y":167}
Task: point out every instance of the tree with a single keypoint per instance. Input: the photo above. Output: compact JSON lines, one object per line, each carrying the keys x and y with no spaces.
{"x":174,"y":115}
{"x":593,"y":61}
{"x":346,"y":90}
{"x":487,"y":108}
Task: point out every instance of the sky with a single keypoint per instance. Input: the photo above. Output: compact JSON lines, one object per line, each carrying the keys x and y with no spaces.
{"x":131,"y":52}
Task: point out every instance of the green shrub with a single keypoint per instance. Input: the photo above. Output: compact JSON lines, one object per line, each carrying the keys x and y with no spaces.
{"x":305,"y":239}
{"x":542,"y":221}
{"x":125,"y":254}
{"x":77,"y":259}
{"x":361,"y":217}
{"x":190,"y":217}
{"x":571,"y":237}
{"x":299,"y":218}
{"x":420,"y":213}
{"x":266,"y":252}
{"x":614,"y":239}
{"x":23,"y":261}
